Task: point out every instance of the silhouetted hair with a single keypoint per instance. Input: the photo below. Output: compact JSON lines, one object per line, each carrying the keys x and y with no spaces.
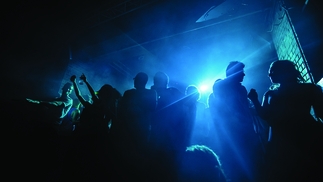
{"x":234,"y":67}
{"x":108,"y":91}
{"x":201,"y":163}
{"x":289,"y":67}
{"x":106,"y":88}
{"x":67,"y":86}
{"x":161,"y":79}
{"x":216,"y":84}
{"x":141,"y":77}
{"x":193,"y":90}
{"x":286,"y":67}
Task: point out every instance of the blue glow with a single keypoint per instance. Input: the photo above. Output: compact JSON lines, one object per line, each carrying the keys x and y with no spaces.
{"x":320,"y":82}
{"x":205,"y":87}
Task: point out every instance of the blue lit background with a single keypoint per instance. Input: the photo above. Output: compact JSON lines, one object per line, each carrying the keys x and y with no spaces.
{"x":192,"y":42}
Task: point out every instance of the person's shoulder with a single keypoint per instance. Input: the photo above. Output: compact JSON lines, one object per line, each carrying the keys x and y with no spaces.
{"x":243,"y":88}
{"x":314,"y":86}
{"x":223,"y":84}
{"x":151,"y":91}
{"x":224,"y":81}
{"x":311,"y":86}
{"x":70,"y":100}
{"x":130,"y":91}
{"x":64,"y":99}
{"x":174,"y":91}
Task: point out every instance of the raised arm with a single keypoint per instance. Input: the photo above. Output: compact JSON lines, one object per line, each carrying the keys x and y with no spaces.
{"x":92,"y":92}
{"x":77,"y":92}
{"x":46,"y":103}
{"x":260,"y":108}
{"x":33,"y":101}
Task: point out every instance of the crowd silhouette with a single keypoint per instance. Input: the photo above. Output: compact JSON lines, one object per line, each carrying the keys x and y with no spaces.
{"x":164,"y":134}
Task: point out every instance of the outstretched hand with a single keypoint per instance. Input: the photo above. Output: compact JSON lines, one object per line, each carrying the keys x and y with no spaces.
{"x":73,"y":78}
{"x":253,"y":95}
{"x":33,"y":101}
{"x":83,"y":77}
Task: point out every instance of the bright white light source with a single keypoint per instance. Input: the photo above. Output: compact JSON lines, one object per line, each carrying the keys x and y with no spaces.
{"x":204,"y":88}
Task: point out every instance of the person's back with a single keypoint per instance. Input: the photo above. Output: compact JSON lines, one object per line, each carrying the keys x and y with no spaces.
{"x":132,"y":130}
{"x":168,"y":127}
{"x":135,"y":109}
{"x":138,"y":106}
{"x":295,"y":103}
{"x":168,"y":120}
{"x":168,"y":112}
{"x":195,"y":112}
{"x":239,"y":147}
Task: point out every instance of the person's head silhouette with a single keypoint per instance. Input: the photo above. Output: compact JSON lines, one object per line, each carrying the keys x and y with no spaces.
{"x":67,"y":89}
{"x":161,"y":80}
{"x":200,"y":163}
{"x":140,"y":80}
{"x":235,"y":71}
{"x":284,"y":71}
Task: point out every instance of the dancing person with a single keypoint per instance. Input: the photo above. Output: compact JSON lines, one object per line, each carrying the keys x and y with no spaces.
{"x":98,"y":112}
{"x":43,"y":141}
{"x":295,"y":149}
{"x":92,"y":134}
{"x":55,"y":110}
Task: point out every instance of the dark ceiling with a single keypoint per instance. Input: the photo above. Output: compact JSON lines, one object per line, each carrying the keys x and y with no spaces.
{"x":186,"y":39}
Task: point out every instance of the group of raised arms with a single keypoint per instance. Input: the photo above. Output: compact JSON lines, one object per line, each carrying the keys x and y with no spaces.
{"x":163,"y":134}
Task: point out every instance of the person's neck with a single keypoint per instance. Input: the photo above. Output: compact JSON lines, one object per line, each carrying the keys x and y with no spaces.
{"x":140,"y":88}
{"x":64,"y":96}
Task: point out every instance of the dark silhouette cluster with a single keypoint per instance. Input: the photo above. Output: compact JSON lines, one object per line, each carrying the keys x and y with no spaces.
{"x":162,"y":133}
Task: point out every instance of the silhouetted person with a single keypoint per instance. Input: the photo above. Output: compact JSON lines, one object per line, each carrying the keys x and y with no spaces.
{"x":92,"y":142}
{"x":98,"y":112}
{"x":295,"y":149}
{"x":212,"y":100}
{"x":135,"y":113}
{"x":200,"y":163}
{"x":53,"y":111}
{"x":239,"y":146}
{"x":136,"y":108}
{"x":168,"y":128}
{"x":71,"y":119}
{"x":198,"y":125}
{"x":41,"y":146}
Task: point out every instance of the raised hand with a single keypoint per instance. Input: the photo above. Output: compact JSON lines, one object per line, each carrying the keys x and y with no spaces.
{"x":83,"y":77}
{"x":73,"y":78}
{"x":253,"y":95}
